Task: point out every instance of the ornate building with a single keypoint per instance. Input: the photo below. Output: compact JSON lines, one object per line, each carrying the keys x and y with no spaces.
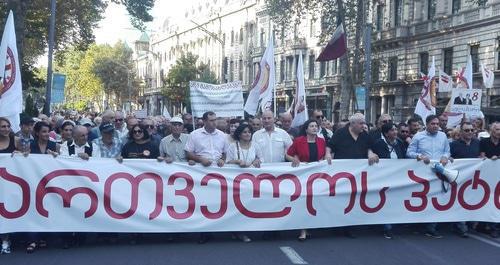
{"x":409,"y":33}
{"x":230,"y":36}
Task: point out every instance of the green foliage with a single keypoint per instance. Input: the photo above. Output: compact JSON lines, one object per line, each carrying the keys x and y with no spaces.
{"x":177,"y":82}
{"x":30,"y":107}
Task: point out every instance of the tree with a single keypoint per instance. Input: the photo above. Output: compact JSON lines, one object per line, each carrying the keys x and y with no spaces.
{"x":185,"y":70}
{"x":75,"y":22}
{"x":287,"y":13}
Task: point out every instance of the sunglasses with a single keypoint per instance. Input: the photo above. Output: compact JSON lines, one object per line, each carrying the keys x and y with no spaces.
{"x":137,"y":131}
{"x":468,"y":130}
{"x":320,"y":117}
{"x":386,"y":121}
{"x":150,"y":126}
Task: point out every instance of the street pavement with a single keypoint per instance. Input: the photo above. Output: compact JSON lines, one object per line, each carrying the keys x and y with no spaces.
{"x":324,"y":247}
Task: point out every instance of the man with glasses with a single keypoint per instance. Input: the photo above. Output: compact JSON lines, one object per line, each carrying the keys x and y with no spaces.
{"x":322,"y":132}
{"x":431,"y":144}
{"x":377,"y":133}
{"x":150,"y":125}
{"x":172,"y":146}
{"x":120,"y":127}
{"x":466,"y":147}
{"x":404,"y":135}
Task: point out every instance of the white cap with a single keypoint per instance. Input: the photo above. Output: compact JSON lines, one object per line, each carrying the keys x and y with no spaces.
{"x":176,"y":119}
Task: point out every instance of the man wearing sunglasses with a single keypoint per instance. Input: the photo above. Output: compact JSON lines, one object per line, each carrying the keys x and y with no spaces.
{"x":322,"y":132}
{"x":120,"y":127}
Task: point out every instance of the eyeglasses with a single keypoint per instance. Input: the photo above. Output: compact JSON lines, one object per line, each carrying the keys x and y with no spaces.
{"x":150,"y":126}
{"x":386,"y":121}
{"x":320,"y":117}
{"x":118,"y":119}
{"x":468,"y":130}
{"x":137,"y":131}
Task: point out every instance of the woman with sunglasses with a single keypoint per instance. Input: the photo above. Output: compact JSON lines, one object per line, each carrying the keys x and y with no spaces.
{"x":140,"y":145}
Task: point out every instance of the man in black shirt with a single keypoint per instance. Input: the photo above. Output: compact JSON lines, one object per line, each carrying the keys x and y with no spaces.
{"x":377,"y":132}
{"x":490,"y":148}
{"x":351,"y":142}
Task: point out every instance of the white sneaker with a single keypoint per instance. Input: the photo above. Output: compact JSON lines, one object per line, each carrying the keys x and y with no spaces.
{"x":5,"y":247}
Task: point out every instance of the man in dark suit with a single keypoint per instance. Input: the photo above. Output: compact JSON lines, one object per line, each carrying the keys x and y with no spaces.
{"x":460,"y":100}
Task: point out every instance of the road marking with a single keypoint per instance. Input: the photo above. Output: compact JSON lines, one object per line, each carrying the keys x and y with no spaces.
{"x":487,"y":241}
{"x":294,"y":257}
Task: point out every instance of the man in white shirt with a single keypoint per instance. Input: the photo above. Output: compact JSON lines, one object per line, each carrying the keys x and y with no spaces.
{"x":79,"y":146}
{"x":272,"y":142}
{"x":207,"y":144}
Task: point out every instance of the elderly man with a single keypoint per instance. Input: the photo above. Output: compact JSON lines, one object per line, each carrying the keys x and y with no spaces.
{"x":107,"y":146}
{"x":272,"y":142}
{"x":490,"y":148}
{"x":286,"y":123}
{"x":377,"y":133}
{"x":80,"y":145}
{"x":431,"y":144}
{"x":172,"y":146}
{"x":120,"y":127}
{"x":151,"y":127}
{"x":107,"y":117}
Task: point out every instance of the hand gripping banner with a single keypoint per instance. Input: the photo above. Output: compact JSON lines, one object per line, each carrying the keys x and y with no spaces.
{"x":46,"y":194}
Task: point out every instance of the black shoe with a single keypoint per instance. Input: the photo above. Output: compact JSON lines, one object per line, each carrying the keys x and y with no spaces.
{"x":463,"y":234}
{"x":494,"y":234}
{"x":433,"y":234}
{"x":388,"y":234}
{"x":204,"y":238}
{"x":349,"y":234}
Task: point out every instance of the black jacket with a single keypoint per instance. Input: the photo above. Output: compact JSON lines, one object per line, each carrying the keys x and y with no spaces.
{"x":382,"y":150}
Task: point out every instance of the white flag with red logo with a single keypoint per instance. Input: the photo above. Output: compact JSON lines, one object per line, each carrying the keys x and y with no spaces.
{"x":300,"y":108}
{"x":445,"y":82}
{"x":11,"y":96}
{"x":262,"y":91}
{"x":426,"y":104}
{"x":488,"y":77}
{"x":464,"y":77}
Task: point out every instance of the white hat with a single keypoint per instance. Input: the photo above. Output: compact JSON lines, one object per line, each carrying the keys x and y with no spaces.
{"x":176,"y":119}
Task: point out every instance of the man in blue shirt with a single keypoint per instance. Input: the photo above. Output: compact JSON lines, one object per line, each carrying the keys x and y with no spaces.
{"x":431,"y":144}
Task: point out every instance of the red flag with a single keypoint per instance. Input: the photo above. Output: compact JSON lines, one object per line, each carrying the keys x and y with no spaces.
{"x":336,"y":47}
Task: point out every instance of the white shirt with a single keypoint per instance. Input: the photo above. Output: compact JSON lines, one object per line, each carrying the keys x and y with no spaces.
{"x":272,"y":146}
{"x":245,"y":155}
{"x":78,"y":149}
{"x":207,"y":145}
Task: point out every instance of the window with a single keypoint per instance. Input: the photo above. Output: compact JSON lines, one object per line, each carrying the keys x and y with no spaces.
{"x":455,"y":6}
{"x":241,"y":36}
{"x":250,"y":74}
{"x":262,"y":38}
{"x":282,"y":70}
{"x":335,"y":69}
{"x":289,"y":66}
{"x":398,"y":11}
{"x":312,"y":59}
{"x":380,"y":17}
{"x":474,"y":54}
{"x":424,"y":62}
{"x":232,"y":37}
{"x":375,"y":70}
{"x":393,"y":68}
{"x":322,"y":69}
{"x":498,"y":54}
{"x":448,"y":60}
{"x":224,"y":67}
{"x":311,"y":28}
{"x":240,"y":70}
{"x":295,"y":70}
{"x":431,"y":9}
{"x":231,"y":70}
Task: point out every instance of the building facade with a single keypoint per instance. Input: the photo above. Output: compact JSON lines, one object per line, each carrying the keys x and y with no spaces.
{"x":407,"y":34}
{"x":231,"y":36}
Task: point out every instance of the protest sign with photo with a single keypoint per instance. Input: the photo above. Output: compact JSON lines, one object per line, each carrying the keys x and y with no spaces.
{"x":466,"y":101}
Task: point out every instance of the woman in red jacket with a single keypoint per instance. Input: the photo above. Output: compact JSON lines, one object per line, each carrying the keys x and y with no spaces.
{"x":306,"y":148}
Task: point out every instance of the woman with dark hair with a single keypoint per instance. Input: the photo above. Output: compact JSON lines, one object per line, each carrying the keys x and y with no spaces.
{"x":42,"y":143}
{"x":307,"y":148}
{"x":66,"y":131}
{"x":389,"y":147}
{"x":241,"y":152}
{"x":140,"y":145}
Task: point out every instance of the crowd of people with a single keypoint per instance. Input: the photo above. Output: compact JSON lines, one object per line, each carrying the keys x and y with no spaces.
{"x":214,"y":141}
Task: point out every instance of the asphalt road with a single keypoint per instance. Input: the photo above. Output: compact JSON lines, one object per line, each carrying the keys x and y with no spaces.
{"x":324,"y":247}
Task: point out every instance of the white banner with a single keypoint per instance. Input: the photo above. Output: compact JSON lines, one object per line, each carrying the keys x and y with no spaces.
{"x":46,"y":194}
{"x":466,"y":101}
{"x":226,"y":100}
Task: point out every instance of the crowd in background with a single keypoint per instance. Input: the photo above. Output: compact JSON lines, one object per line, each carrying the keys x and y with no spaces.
{"x":215,"y":141}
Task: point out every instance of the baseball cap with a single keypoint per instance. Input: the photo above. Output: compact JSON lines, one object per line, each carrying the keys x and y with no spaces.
{"x":106,"y":128}
{"x":86,"y":121}
{"x":176,"y":119}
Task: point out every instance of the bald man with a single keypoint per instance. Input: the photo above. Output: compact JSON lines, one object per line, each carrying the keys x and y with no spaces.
{"x":272,"y":142}
{"x":286,"y":124}
{"x":80,"y":146}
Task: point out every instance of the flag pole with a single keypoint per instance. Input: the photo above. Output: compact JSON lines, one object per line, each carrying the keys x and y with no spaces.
{"x":52,"y":26}
{"x":271,"y":35}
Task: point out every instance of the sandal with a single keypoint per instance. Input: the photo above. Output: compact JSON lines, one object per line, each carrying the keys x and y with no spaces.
{"x":31,"y":247}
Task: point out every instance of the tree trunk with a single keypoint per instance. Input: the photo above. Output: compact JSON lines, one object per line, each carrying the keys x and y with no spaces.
{"x":346,"y":83}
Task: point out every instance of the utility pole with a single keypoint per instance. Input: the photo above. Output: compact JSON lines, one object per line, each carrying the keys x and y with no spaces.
{"x":368,"y":71}
{"x":52,"y":27}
